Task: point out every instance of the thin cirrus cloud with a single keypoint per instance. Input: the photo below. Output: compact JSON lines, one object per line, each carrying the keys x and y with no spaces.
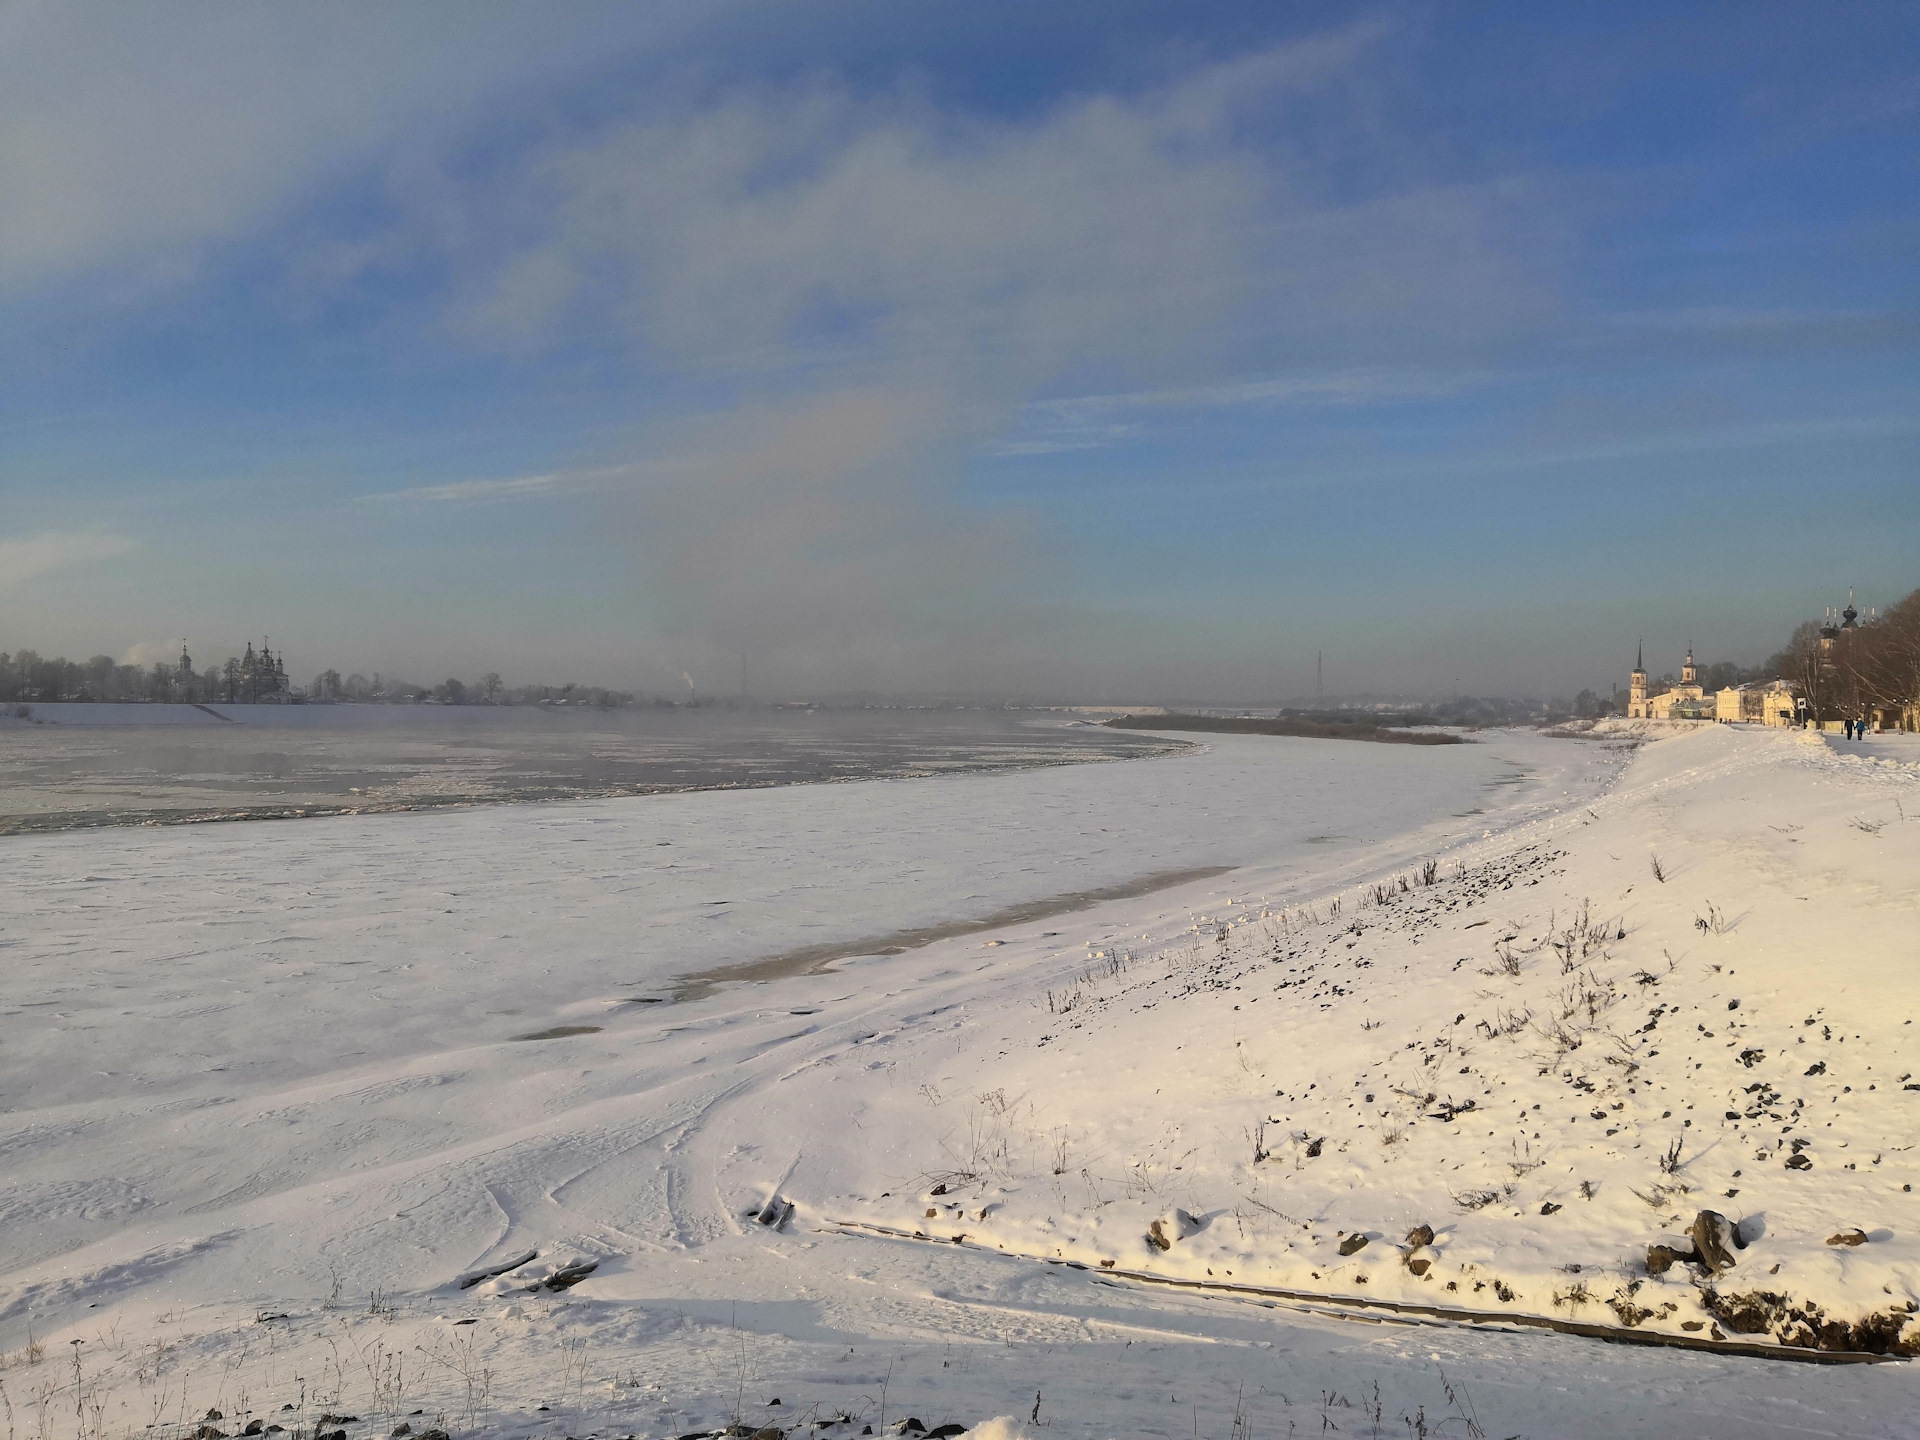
{"x":497,"y":490}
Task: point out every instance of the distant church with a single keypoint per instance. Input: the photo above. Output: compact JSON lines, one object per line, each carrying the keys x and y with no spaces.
{"x":1685,"y":701}
{"x":1768,"y":702}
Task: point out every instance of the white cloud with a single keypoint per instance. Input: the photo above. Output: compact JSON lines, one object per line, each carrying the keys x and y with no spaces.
{"x":37,"y":554}
{"x":135,"y":133}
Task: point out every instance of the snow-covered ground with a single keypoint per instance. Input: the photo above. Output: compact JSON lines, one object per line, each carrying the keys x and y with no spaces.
{"x":283,"y":1071}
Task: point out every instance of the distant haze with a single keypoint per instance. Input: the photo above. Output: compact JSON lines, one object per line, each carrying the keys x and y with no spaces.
{"x":1082,"y":351}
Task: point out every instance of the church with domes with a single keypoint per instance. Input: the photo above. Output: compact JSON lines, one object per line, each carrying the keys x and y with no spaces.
{"x":1685,"y":701}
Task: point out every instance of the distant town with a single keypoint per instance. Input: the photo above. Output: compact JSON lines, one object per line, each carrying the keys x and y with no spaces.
{"x":1845,"y":670}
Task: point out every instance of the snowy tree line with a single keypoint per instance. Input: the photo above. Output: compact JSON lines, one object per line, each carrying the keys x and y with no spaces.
{"x":27,"y":676}
{"x":1845,"y":672}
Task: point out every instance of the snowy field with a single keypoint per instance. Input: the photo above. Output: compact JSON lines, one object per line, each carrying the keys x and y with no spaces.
{"x":271,"y":1091}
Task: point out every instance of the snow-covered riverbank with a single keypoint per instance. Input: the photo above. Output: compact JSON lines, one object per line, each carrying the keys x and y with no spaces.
{"x":243,"y":1065}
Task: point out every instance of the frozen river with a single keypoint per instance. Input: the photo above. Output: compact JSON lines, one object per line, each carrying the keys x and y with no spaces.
{"x":69,"y":766}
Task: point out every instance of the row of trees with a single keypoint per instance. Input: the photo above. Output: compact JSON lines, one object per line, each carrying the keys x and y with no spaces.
{"x":253,"y":678}
{"x":330,"y":688}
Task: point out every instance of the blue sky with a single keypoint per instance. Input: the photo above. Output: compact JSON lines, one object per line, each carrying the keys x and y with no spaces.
{"x":1103,"y":350}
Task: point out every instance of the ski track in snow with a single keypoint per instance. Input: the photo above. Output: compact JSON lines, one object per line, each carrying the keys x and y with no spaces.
{"x":271,"y":1070}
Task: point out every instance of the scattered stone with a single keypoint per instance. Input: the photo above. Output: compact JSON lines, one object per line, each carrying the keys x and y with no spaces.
{"x":1797,"y":1161}
{"x":1547,"y":1207}
{"x":254,"y":1427}
{"x":1819,"y":1067}
{"x":1353,"y":1244}
{"x":1420,"y":1264}
{"x":1714,"y":1240}
{"x":1420,"y":1235}
{"x":941,"y":1432}
{"x":1848,"y":1237}
{"x":1313,"y":1147}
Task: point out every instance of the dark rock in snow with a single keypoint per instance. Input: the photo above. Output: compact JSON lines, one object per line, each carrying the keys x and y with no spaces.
{"x":1313,"y":1148}
{"x":1174,"y":1225}
{"x":568,"y":1276}
{"x":1419,"y":1264}
{"x":941,"y":1432}
{"x":1420,"y":1235}
{"x":1353,"y":1244}
{"x":1797,"y":1161}
{"x":1848,"y":1237}
{"x":1714,"y":1240}
{"x":1548,"y":1207}
{"x":487,"y":1272}
{"x":1662,"y":1258}
{"x":254,"y":1427}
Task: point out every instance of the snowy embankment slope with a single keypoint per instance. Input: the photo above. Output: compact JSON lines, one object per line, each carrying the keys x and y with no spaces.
{"x":1496,"y":1090}
{"x":249,"y":1067}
